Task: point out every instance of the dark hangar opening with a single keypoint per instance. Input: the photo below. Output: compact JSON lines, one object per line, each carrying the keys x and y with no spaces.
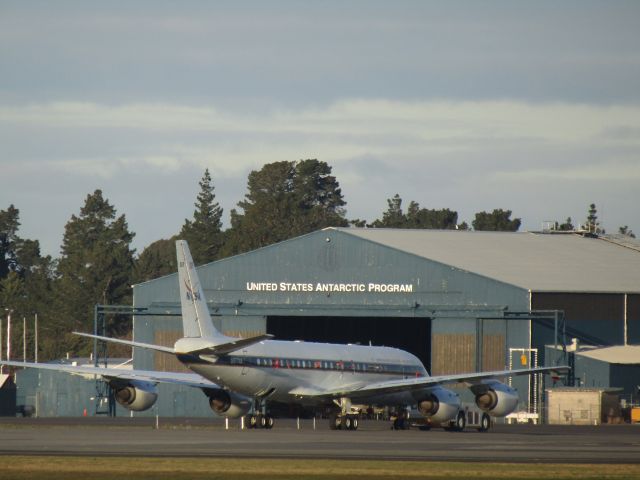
{"x":410,"y":334}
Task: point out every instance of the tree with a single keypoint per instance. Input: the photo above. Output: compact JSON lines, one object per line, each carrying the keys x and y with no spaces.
{"x":567,"y":226}
{"x":156,"y":260}
{"x":25,"y":286}
{"x":416,"y":217}
{"x":443,"y":219}
{"x":9,"y":224}
{"x":592,"y":225}
{"x":393,"y":217}
{"x":95,"y":267}
{"x":12,"y":294}
{"x":285,"y":199}
{"x":204,"y":232}
{"x":626,"y":231}
{"x":498,"y":220}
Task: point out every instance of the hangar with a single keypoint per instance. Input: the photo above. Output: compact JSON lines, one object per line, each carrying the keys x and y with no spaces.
{"x":460,"y":300}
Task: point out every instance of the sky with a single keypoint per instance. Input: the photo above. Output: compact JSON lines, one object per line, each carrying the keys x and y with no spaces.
{"x":528,"y":106}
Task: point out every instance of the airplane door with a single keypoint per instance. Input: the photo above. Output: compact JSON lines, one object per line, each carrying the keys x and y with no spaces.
{"x":245,"y":370}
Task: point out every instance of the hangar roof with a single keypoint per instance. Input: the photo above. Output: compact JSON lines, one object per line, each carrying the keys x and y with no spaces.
{"x":540,"y":262}
{"x":622,"y":354}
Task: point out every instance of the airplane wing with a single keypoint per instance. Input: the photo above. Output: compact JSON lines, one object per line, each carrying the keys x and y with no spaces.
{"x":113,"y":373}
{"x":148,"y":346}
{"x":418,"y":383}
{"x":212,"y":349}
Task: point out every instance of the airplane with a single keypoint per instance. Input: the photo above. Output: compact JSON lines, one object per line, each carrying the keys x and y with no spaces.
{"x":240,"y":375}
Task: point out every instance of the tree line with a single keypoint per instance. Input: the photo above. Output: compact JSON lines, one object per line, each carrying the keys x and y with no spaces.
{"x":98,"y":265}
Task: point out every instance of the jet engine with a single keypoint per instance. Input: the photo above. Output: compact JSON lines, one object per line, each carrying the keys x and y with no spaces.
{"x":495,"y":398}
{"x":136,"y":395}
{"x":440,"y":405}
{"x":228,"y":404}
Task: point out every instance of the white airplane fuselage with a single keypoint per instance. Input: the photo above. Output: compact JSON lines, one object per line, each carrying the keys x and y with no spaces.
{"x":276,"y":368}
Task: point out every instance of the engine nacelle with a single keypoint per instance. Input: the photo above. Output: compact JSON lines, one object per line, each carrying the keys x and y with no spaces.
{"x":496,"y":398}
{"x":228,"y":404}
{"x":440,"y":405}
{"x":136,"y":395}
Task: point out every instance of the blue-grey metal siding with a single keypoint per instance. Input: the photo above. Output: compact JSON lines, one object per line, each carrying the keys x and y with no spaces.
{"x":453,"y":299}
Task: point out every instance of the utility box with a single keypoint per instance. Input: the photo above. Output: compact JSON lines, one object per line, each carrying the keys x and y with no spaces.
{"x":583,"y":406}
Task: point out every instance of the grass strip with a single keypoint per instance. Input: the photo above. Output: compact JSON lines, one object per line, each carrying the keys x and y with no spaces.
{"x":98,"y":468}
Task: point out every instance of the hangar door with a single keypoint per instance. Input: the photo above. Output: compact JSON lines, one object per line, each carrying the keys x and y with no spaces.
{"x":410,"y":334}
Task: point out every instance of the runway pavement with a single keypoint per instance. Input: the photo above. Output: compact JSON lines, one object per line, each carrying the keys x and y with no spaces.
{"x":374,"y":440}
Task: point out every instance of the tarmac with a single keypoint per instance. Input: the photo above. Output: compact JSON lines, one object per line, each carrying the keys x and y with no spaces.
{"x":142,"y":437}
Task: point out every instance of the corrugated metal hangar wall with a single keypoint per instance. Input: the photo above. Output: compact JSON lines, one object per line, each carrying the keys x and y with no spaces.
{"x":332,"y":286}
{"x":460,"y":301}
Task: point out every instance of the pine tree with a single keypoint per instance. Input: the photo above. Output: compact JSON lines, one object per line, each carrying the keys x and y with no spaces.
{"x":393,"y":217}
{"x":9,"y":224}
{"x":204,"y":232}
{"x":285,"y":199}
{"x":25,"y":288}
{"x":95,"y":268}
{"x":156,"y":260}
{"x":592,"y":225}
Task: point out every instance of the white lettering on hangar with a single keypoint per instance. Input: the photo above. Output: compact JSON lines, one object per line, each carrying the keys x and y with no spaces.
{"x":330,"y":287}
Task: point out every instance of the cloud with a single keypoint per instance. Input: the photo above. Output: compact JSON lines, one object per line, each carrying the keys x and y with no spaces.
{"x":462,"y":155}
{"x":477,"y":135}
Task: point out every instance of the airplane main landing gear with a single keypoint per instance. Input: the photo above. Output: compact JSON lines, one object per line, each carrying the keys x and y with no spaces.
{"x":258,"y":421}
{"x":347,"y":422}
{"x":344,"y":420}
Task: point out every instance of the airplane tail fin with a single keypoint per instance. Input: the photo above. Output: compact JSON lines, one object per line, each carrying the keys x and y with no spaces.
{"x":196,"y":321}
{"x":200,"y":335}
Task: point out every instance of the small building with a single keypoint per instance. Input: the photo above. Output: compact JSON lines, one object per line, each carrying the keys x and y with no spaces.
{"x":583,"y":406}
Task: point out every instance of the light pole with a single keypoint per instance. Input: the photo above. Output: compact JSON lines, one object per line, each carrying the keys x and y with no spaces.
{"x":9,"y":336}
{"x":35,"y":329}
{"x":24,"y":339}
{"x":9,"y":312}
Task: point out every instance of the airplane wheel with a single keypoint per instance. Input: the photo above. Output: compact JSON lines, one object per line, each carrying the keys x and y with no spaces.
{"x":348,"y":423}
{"x":269,"y":423}
{"x":262,"y":421}
{"x":334,"y":423}
{"x":461,"y":422}
{"x":485,"y":423}
{"x":354,"y":423}
{"x":251,"y":421}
